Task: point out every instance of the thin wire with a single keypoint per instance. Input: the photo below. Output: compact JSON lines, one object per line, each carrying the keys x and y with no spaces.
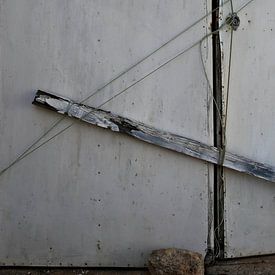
{"x":33,"y":144}
{"x":153,"y":52}
{"x":228,"y":86}
{"x":36,"y":148}
{"x":231,"y":5}
{"x":223,"y":148}
{"x":24,"y":154}
{"x":218,"y":229}
{"x":229,"y":74}
{"x":209,"y":84}
{"x":246,"y":4}
{"x":123,"y":91}
{"x":217,"y":240}
{"x":224,"y":126}
{"x":156,"y":69}
{"x":57,"y":122}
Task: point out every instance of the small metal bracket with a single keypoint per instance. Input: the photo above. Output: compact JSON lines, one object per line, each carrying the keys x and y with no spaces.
{"x":233,"y":20}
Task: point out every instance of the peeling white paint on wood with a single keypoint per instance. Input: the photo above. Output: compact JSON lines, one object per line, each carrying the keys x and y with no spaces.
{"x":162,"y":138}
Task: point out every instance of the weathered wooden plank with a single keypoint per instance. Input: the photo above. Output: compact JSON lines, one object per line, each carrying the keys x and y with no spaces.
{"x":151,"y":135}
{"x":243,"y":266}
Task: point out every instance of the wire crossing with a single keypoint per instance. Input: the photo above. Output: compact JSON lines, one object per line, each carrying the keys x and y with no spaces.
{"x":29,"y":149}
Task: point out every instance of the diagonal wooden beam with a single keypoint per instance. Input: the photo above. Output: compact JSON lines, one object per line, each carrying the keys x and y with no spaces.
{"x":151,"y":135}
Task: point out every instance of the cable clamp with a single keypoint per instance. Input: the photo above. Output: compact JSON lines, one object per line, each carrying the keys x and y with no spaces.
{"x":233,"y":20}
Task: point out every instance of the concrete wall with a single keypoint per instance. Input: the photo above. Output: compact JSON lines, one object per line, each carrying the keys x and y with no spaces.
{"x":91,"y":197}
{"x":249,"y":202}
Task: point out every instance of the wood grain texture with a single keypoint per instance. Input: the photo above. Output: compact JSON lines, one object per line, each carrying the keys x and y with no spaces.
{"x":154,"y":136}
